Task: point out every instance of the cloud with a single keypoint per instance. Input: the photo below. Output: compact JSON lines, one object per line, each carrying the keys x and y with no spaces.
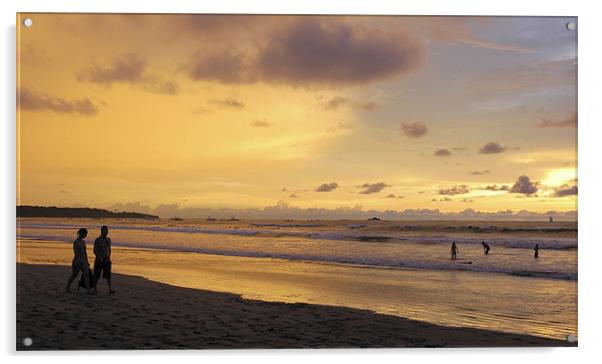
{"x":392,"y":195}
{"x":312,"y":52}
{"x":292,"y":195}
{"x":445,"y":199}
{"x":494,"y":46}
{"x":127,"y":68}
{"x":327,"y":187}
{"x":455,"y":190}
{"x":495,"y":188}
{"x":492,"y":148}
{"x":524,"y":185}
{"x":213,"y":25}
{"x":369,"y":188}
{"x":283,"y":210}
{"x":260,"y":123}
{"x":37,"y":101}
{"x":413,"y":130}
{"x":341,"y":101}
{"x":225,"y":66}
{"x":565,"y":190}
{"x":568,"y":122}
{"x":159,"y":87}
{"x":480,"y":173}
{"x":442,"y":152}
{"x":229,"y":103}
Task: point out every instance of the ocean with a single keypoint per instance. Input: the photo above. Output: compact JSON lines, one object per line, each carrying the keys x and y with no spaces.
{"x":394,"y":267}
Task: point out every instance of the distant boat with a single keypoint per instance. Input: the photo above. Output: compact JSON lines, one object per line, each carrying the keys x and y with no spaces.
{"x":210,"y":219}
{"x":233,"y":219}
{"x":374,"y":219}
{"x":175,"y":218}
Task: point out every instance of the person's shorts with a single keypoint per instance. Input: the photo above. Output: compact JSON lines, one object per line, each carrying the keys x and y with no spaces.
{"x":102,"y":267}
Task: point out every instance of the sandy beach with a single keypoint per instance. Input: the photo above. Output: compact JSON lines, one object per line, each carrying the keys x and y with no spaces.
{"x":146,"y":314}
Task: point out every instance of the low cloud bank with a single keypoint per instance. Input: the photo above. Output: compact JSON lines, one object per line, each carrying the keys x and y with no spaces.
{"x":283,"y":210}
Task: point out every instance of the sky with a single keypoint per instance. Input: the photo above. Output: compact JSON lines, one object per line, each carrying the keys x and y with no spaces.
{"x":174,"y":113}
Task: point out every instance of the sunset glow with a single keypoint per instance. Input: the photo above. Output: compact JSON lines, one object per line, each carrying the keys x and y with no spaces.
{"x":376,"y":113}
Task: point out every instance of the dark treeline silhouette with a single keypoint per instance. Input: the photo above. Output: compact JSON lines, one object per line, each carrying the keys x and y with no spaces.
{"x":44,"y":211}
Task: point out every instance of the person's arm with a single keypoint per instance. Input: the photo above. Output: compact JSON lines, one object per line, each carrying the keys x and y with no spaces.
{"x":109,"y":248}
{"x":96,"y":247}
{"x":84,"y":251}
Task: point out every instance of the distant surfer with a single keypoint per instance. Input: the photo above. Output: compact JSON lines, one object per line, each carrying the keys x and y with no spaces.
{"x":486,"y":248}
{"x":551,"y":220}
{"x":454,"y":251}
{"x":536,"y":250}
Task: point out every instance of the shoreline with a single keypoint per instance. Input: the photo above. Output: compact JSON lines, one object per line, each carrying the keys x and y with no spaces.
{"x":145,"y":314}
{"x":522,"y":274}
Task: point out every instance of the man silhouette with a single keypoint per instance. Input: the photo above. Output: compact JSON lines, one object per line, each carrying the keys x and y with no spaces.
{"x":102,"y":263}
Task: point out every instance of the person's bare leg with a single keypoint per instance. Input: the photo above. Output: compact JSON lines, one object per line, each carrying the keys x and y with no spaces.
{"x":96,"y":279}
{"x":109,"y":283}
{"x":68,"y":289}
{"x":87,"y":282}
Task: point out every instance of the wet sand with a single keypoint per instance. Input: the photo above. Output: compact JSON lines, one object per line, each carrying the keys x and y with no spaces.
{"x":148,"y":315}
{"x":145,"y":314}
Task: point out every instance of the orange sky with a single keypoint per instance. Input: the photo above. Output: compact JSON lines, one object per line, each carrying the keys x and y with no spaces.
{"x":386,"y":113}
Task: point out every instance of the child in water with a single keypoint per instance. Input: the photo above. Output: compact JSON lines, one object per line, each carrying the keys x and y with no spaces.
{"x":536,"y":250}
{"x":454,"y":251}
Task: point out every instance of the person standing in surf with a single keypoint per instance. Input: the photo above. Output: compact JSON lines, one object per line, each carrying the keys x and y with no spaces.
{"x":486,"y":248}
{"x":80,"y":261}
{"x":536,"y":251}
{"x":454,"y":251}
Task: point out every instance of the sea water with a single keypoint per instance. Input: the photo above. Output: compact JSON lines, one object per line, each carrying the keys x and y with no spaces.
{"x":402,"y":268}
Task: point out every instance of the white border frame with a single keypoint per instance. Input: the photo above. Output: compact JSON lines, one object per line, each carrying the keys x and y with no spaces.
{"x":589,"y":136}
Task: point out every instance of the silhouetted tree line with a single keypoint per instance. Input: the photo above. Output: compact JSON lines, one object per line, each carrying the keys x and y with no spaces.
{"x":44,"y":211}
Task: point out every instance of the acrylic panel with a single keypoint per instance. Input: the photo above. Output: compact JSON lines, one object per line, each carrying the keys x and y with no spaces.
{"x":260,"y":181}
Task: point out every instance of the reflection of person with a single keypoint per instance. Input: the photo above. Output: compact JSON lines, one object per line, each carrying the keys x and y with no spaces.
{"x":80,"y":260}
{"x":454,"y":251}
{"x":102,"y":263}
{"x":536,"y":250}
{"x":486,"y":248}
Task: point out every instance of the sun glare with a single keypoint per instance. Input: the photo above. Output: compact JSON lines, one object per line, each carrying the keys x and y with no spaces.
{"x":557,"y":177}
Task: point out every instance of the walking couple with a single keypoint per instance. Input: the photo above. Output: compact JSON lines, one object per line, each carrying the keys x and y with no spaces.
{"x":102,"y":262}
